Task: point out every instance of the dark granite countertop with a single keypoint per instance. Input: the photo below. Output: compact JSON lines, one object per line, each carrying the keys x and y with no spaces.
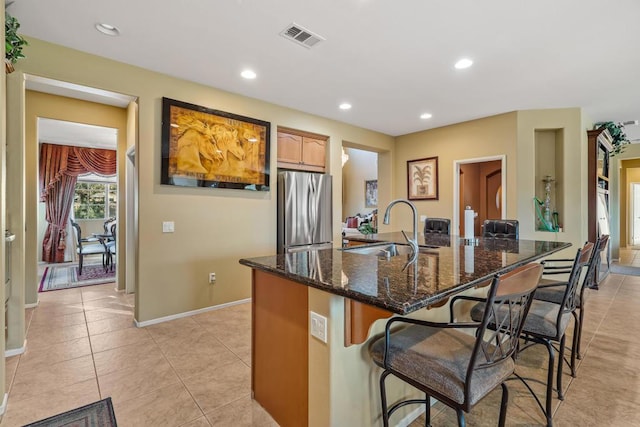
{"x":449,"y":266}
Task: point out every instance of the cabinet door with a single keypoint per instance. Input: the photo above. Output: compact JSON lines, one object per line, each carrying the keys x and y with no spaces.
{"x":314,"y":151}
{"x":289,"y":148}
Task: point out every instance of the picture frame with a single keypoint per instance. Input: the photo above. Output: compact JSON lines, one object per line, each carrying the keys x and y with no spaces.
{"x":371,"y":193}
{"x":203,"y":147}
{"x":422,"y":179}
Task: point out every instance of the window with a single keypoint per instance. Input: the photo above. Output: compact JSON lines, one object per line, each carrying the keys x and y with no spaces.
{"x":95,"y":200}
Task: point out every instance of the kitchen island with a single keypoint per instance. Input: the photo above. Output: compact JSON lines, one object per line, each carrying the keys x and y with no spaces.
{"x":301,"y":380}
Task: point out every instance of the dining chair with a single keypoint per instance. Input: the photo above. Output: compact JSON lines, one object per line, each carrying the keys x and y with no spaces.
{"x":110,"y":246}
{"x":546,"y":323}
{"x":437,"y":226}
{"x":501,"y":228}
{"x":86,"y":247}
{"x":455,"y":367}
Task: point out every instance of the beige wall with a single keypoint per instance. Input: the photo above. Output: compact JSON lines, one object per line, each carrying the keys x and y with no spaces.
{"x":3,"y":184}
{"x":568,"y":122}
{"x":214,"y":228}
{"x":362,"y":166}
{"x":629,"y":172}
{"x":618,"y":196}
{"x":491,"y":136}
{"x":512,"y":135}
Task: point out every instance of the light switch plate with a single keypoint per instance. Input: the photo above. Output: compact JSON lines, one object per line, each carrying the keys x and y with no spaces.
{"x":168,"y":227}
{"x":319,"y":326}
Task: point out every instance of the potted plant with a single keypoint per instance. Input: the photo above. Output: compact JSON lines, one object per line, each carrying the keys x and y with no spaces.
{"x":618,"y":138}
{"x":13,"y":42}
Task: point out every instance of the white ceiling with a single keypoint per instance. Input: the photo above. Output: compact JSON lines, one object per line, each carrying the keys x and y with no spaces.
{"x":77,"y":134}
{"x":392,"y":60}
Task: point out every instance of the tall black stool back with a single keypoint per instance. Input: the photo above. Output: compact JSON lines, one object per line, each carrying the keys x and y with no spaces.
{"x":437,"y":226}
{"x":500,"y":228}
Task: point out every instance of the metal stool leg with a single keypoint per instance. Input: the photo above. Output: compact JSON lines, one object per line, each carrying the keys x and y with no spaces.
{"x":503,"y":405}
{"x":383,"y":399}
{"x":560,"y":365}
{"x":549,"y":397}
{"x":427,"y":411}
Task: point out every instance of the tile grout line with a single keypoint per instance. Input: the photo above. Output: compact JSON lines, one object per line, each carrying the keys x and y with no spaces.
{"x":203,"y":328}
{"x":93,"y":359}
{"x":181,"y":382}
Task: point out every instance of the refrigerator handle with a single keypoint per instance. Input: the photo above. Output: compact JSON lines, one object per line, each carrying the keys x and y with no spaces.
{"x":311,"y":208}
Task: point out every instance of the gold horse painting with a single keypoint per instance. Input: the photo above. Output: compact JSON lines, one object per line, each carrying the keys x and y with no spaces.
{"x":210,"y":147}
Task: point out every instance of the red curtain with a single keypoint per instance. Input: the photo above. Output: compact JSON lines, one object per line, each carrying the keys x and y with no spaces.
{"x":60,"y":166}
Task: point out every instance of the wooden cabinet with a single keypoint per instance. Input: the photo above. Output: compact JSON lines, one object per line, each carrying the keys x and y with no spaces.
{"x":599,"y":143}
{"x":301,"y":151}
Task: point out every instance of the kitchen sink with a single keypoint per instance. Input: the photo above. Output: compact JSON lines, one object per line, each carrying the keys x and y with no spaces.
{"x":387,"y":250}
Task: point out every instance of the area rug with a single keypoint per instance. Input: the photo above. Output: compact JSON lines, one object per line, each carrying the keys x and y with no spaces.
{"x":66,"y":276}
{"x":97,"y":414}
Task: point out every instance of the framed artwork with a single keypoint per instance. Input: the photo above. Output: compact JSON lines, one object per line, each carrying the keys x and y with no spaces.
{"x":371,"y":193}
{"x":422,"y":179}
{"x":202,"y":147}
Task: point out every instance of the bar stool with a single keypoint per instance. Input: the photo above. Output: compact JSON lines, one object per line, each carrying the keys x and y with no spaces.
{"x":553,"y":290}
{"x":545,"y":324}
{"x":437,"y":226}
{"x":501,"y":228}
{"x":458,"y":368}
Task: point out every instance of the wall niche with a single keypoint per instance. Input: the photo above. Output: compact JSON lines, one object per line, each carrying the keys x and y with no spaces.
{"x":549,"y":182}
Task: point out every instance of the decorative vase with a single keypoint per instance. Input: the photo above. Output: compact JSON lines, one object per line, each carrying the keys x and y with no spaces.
{"x":8,"y":66}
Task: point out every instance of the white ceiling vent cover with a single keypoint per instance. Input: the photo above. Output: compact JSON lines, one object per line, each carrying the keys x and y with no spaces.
{"x":301,"y":35}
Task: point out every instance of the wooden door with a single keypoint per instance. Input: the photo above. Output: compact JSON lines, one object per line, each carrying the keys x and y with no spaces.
{"x":493,"y":184}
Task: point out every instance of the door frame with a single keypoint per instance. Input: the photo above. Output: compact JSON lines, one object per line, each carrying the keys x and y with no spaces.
{"x":455,"y":222}
{"x":631,"y":215}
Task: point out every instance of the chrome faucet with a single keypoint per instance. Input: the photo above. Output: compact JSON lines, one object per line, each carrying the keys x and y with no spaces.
{"x":414,"y":241}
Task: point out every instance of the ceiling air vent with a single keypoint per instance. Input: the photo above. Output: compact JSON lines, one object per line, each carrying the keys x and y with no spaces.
{"x":301,"y":35}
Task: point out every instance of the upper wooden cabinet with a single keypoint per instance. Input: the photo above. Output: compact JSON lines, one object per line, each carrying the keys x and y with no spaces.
{"x":297,"y":150}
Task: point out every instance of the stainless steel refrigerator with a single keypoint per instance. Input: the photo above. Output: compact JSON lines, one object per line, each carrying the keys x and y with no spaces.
{"x":304,"y":211}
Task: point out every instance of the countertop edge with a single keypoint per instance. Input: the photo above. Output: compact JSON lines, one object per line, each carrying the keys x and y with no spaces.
{"x":403,"y":309}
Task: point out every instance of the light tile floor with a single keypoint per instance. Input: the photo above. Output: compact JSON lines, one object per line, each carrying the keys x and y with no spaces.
{"x":82,"y":346}
{"x":195,"y":371}
{"x":630,"y":256}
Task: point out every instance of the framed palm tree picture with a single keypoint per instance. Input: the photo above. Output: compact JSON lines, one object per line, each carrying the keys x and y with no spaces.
{"x":422,"y":179}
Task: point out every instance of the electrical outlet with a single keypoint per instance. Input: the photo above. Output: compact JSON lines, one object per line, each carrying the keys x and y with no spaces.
{"x":212,"y":277}
{"x":168,"y":227}
{"x":423,"y":218}
{"x":319,"y":326}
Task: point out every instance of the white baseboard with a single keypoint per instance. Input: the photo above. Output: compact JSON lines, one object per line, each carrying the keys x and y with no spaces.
{"x":16,"y":351}
{"x":3,"y":407}
{"x":411,"y":416}
{"x":188,"y":313}
{"x":34,"y":305}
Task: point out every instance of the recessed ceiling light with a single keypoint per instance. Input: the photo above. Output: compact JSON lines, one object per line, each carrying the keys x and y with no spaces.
{"x":107,"y":29}
{"x":463,"y":63}
{"x":425,"y":116}
{"x":249,"y":74}
{"x":345,"y":106}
